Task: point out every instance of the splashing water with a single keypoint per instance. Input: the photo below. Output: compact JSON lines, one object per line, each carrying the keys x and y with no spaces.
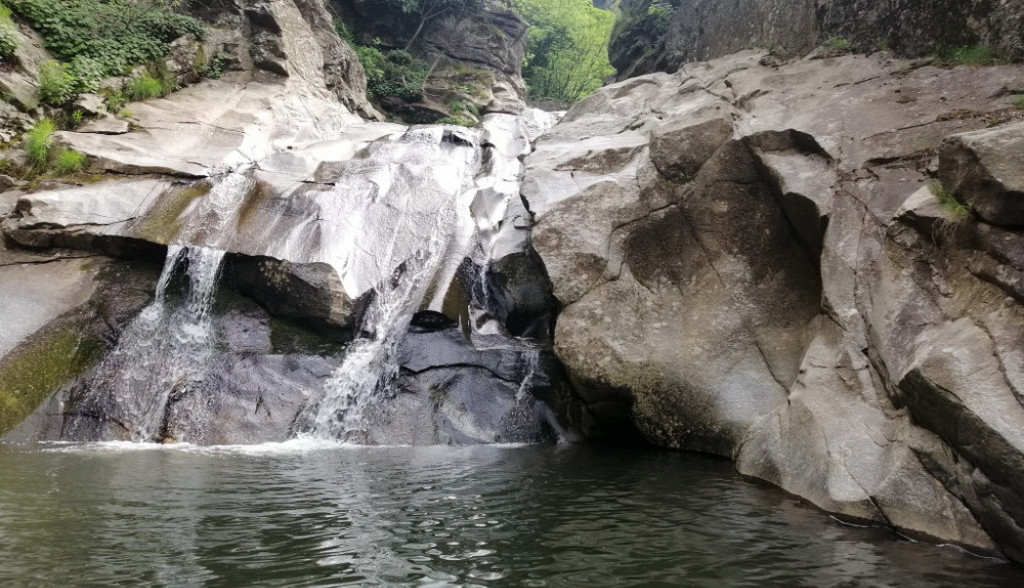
{"x":165,"y":351}
{"x":370,"y":367}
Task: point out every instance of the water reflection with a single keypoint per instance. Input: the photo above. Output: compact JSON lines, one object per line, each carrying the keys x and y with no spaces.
{"x":292,"y":515}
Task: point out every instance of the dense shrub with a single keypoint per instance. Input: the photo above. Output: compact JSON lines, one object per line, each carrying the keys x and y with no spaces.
{"x":393,"y":73}
{"x":56,"y":84}
{"x":115,"y":34}
{"x":8,"y":41}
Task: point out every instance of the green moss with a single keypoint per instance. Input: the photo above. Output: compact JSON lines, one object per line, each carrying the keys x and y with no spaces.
{"x":837,"y":45}
{"x":160,"y":224}
{"x":37,"y":368}
{"x":455,"y":120}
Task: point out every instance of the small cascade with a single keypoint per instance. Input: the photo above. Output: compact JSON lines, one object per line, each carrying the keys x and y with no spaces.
{"x":370,"y":366}
{"x":165,"y":351}
{"x":532,"y":360}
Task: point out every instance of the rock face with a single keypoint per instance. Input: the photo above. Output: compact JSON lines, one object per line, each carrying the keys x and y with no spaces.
{"x":661,"y":36}
{"x":482,"y":51}
{"x":755,"y":261}
{"x":268,"y":198}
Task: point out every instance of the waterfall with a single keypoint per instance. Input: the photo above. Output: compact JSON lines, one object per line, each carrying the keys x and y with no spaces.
{"x":396,"y":219}
{"x":166,"y":349}
{"x":370,"y":367}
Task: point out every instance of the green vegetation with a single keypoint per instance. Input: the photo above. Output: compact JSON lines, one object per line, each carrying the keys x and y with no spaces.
{"x":837,"y":45}
{"x":393,"y":73}
{"x":456,"y":120}
{"x":8,"y":41}
{"x":116,"y":34}
{"x":41,"y":156}
{"x":1018,"y":101}
{"x":37,"y":142}
{"x":68,"y":161}
{"x":567,"y":56}
{"x":144,"y":87}
{"x":978,"y":55}
{"x":955,"y":210}
{"x":93,"y":39}
{"x":56,"y":84}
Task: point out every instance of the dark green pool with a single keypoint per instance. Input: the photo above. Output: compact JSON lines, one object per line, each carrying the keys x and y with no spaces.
{"x":303,"y":514}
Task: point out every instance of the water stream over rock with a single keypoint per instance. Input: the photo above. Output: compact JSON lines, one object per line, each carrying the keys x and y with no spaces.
{"x":405,"y":220}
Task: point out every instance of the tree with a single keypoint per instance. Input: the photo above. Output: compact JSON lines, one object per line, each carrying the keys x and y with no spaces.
{"x":428,"y":10}
{"x":567,"y":57}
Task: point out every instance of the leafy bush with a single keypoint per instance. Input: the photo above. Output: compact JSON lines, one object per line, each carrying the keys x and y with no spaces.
{"x":56,"y":84}
{"x":37,"y":142}
{"x":115,"y":33}
{"x":214,"y":68}
{"x":87,"y":73}
{"x":1018,"y":102}
{"x":8,"y":41}
{"x":145,"y":87}
{"x":68,"y":161}
{"x":393,"y":73}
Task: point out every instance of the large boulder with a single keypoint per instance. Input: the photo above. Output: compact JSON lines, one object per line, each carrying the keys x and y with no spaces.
{"x":757,"y":261}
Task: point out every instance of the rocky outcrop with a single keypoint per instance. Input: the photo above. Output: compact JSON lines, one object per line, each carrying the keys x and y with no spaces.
{"x":813,"y":269}
{"x":475,"y":57}
{"x":283,"y":37}
{"x":661,"y":36}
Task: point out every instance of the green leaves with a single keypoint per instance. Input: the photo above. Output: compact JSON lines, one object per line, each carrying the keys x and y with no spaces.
{"x":56,"y":84}
{"x":115,"y":34}
{"x":8,"y":41}
{"x":567,"y":57}
{"x":393,"y":73}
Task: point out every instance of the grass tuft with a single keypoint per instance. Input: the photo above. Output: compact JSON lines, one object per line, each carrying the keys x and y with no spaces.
{"x":37,"y":142}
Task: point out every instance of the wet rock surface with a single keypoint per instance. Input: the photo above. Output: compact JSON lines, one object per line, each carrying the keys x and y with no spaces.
{"x":790,"y":290}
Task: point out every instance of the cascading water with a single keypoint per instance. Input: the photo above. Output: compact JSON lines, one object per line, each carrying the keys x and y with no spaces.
{"x":397,"y":219}
{"x":165,"y":350}
{"x":370,"y":366}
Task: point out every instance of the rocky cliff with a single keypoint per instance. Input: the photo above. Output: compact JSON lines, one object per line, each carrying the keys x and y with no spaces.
{"x":475,"y":56}
{"x":661,"y":35}
{"x":813,"y":269}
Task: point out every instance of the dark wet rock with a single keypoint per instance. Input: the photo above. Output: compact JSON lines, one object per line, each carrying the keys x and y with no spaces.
{"x":46,"y":346}
{"x":310,"y":294}
{"x":426,"y":321}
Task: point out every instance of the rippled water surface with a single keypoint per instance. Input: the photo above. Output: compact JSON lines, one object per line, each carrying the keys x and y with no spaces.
{"x":315,"y":515}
